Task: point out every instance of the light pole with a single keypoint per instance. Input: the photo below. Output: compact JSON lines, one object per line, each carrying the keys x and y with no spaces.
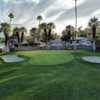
{"x":75,"y":18}
{"x":75,"y":32}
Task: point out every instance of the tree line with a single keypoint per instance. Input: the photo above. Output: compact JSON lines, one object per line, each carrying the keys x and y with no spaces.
{"x":44,"y":31}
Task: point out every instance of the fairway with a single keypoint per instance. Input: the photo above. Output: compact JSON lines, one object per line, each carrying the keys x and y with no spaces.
{"x":50,"y":75}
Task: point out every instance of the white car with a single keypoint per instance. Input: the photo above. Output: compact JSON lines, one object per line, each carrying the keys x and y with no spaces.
{"x":85,"y":42}
{"x":56,"y":44}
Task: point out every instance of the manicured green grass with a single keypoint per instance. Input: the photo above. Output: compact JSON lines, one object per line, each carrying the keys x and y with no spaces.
{"x":50,"y":75}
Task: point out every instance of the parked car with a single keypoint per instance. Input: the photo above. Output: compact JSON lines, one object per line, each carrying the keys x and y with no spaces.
{"x":85,"y":42}
{"x":57,"y":44}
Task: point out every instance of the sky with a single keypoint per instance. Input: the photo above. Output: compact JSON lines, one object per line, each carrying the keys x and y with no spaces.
{"x":61,"y":12}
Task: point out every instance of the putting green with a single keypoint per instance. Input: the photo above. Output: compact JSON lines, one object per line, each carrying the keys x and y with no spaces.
{"x":50,"y":75}
{"x":48,"y":58}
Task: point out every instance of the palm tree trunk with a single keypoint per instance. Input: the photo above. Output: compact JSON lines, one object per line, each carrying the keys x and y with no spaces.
{"x":22,"y":37}
{"x":7,"y":42}
{"x":39,"y":23}
{"x":49,"y":35}
{"x":10,"y":21}
{"x":18,"y":39}
{"x":46,"y":35}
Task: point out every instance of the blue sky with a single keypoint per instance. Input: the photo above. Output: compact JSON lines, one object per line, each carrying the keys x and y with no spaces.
{"x":59,"y":11}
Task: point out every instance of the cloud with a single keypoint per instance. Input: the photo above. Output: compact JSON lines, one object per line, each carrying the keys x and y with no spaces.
{"x":59,"y":11}
{"x":20,"y":1}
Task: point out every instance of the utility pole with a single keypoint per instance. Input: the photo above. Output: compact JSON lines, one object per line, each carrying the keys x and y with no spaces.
{"x":75,"y":18}
{"x":75,"y":32}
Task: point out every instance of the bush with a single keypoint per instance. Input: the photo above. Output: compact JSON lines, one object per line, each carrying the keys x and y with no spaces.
{"x":29,"y":39}
{"x":83,"y":35}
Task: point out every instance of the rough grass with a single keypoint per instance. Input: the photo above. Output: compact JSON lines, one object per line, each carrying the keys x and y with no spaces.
{"x":50,"y":75}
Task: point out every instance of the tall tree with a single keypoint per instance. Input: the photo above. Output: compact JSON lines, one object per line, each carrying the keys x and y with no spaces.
{"x":93,"y":21}
{"x":6,"y":29}
{"x":11,"y":16}
{"x":43,"y":27}
{"x":15,"y":30}
{"x":93,"y":24}
{"x":70,"y":31}
{"x":23,"y":30}
{"x":39,"y":18}
{"x":16,"y":33}
{"x":67,"y":33}
{"x":34,"y":33}
{"x":51,"y":26}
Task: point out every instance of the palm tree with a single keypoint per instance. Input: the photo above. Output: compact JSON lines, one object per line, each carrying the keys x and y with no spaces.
{"x":93,"y":21}
{"x":43,"y":27}
{"x":93,"y":24}
{"x":16,"y":33}
{"x":51,"y":26}
{"x":87,"y":31}
{"x":39,"y":18}
{"x":23,"y":30}
{"x":6,"y":29}
{"x":64,"y":37}
{"x":15,"y":30}
{"x":11,"y":16}
{"x":67,"y":34}
{"x":34,"y":33}
{"x":69,"y":29}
